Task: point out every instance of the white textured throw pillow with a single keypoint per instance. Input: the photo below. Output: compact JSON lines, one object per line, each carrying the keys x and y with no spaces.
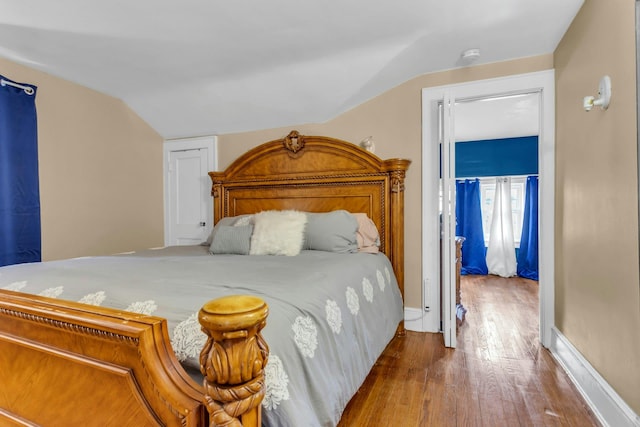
{"x":278,"y":233}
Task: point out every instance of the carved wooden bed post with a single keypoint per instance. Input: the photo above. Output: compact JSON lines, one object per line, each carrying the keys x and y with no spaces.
{"x":397,"y":169}
{"x":233,"y":360}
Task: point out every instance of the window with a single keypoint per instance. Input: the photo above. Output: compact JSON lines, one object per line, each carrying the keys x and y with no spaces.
{"x":487,"y":194}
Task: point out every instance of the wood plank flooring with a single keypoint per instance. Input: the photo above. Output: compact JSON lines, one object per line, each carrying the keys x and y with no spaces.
{"x":498,"y":376}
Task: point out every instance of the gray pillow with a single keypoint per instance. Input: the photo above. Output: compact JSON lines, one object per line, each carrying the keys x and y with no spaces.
{"x":331,"y":232}
{"x":226,"y":221}
{"x":230,"y":239}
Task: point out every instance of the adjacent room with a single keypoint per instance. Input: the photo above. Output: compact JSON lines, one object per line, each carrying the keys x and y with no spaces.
{"x":349,"y":214}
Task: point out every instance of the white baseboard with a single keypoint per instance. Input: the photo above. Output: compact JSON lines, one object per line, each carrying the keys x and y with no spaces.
{"x":605,"y":403}
{"x":413,"y":319}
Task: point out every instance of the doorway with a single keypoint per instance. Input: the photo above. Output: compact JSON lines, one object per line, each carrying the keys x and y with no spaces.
{"x":438,"y":129}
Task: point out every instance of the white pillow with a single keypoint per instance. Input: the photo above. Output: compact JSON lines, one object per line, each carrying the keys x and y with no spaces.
{"x":278,"y":233}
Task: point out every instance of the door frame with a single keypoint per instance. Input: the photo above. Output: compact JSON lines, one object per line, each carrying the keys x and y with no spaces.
{"x":542,"y":82}
{"x":210,"y":143}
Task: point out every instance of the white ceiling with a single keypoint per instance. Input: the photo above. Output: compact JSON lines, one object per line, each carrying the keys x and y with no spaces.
{"x":498,"y":117}
{"x":200,"y":67}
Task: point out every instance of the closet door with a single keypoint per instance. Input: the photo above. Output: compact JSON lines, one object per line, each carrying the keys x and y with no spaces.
{"x":189,"y":194}
{"x":188,"y":210}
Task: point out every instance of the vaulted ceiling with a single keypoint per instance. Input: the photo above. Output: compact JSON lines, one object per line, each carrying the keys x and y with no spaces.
{"x":200,"y":67}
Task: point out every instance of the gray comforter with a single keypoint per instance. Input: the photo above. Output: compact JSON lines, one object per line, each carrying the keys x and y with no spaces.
{"x":331,"y":315}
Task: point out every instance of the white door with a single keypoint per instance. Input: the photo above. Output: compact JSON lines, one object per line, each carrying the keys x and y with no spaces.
{"x":438,"y":215}
{"x":188,"y":202}
{"x":448,"y":219}
{"x":189,"y":196}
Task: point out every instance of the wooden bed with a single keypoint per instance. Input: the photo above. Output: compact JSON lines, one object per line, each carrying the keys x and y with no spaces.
{"x":65,"y":363}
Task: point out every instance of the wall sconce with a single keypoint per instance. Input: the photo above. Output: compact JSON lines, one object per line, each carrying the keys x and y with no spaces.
{"x":604,"y":96}
{"x":368,"y":144}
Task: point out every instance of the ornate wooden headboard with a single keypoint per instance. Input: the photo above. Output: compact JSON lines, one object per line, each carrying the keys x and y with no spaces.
{"x":318,"y":174}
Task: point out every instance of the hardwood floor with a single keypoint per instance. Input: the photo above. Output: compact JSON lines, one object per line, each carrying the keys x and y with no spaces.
{"x":498,"y":376}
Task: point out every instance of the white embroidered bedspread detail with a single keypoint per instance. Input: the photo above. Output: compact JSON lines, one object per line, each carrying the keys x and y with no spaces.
{"x":305,"y":335}
{"x":52,"y":292}
{"x":188,"y":338}
{"x":367,"y":289}
{"x":147,"y":307}
{"x":16,"y":286}
{"x":334,"y":316}
{"x":95,"y":298}
{"x":381,"y":282}
{"x":353,"y":302}
{"x":276,"y":383}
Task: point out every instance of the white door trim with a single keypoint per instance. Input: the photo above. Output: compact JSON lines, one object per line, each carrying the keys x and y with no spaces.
{"x":542,"y":82}
{"x":208,"y":142}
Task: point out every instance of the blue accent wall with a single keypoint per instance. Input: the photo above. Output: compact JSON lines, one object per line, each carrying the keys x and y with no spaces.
{"x":497,"y":157}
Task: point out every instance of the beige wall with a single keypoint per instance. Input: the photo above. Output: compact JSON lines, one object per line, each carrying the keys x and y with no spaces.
{"x":100,"y":170}
{"x":394,"y":120}
{"x":597,"y":284}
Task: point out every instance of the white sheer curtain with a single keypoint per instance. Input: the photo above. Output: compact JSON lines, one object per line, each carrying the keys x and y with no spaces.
{"x":501,"y":254}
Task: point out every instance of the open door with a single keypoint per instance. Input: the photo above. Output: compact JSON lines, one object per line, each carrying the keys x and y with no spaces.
{"x":448,"y":219}
{"x":438,"y":215}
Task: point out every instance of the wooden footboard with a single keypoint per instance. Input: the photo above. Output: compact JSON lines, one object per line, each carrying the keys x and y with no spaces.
{"x":70,"y":364}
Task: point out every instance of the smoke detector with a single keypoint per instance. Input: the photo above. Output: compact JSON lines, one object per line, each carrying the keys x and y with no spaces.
{"x":469,"y":56}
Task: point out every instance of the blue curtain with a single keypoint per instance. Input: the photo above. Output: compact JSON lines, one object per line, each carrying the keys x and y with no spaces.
{"x":469,"y":226}
{"x":19,"y":186}
{"x":528,"y":253}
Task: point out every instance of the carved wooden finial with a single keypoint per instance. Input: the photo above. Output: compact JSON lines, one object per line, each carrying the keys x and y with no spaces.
{"x":215,"y":189}
{"x":233,"y":359}
{"x":397,"y":181}
{"x":294,"y":142}
{"x":397,"y":169}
